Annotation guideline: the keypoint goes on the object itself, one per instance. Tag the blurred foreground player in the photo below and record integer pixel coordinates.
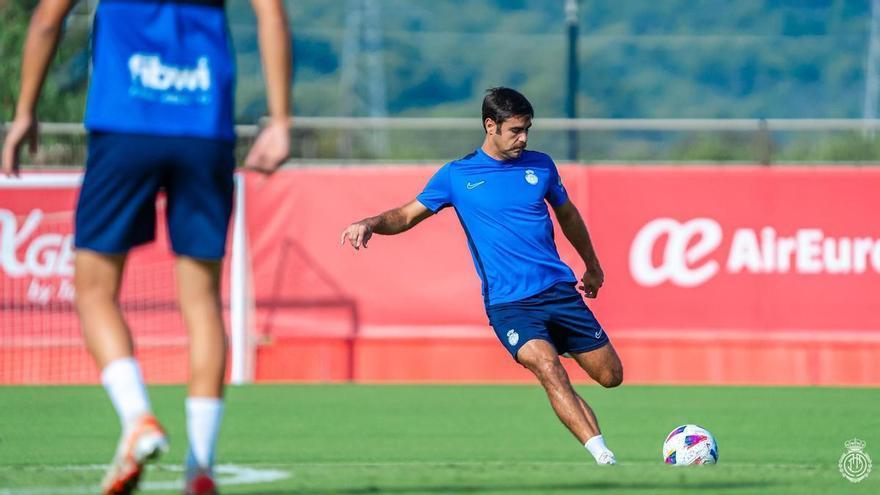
(160, 117)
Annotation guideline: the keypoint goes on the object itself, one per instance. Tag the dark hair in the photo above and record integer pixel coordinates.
(503, 103)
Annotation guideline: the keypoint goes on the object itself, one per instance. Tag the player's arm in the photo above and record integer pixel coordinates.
(273, 144)
(575, 231)
(39, 47)
(389, 223)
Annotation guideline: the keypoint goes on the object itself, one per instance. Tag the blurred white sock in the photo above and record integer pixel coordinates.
(203, 416)
(124, 384)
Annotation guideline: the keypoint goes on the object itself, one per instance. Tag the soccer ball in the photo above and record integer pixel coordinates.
(688, 445)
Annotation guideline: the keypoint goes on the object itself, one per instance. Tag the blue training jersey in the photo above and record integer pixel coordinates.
(501, 206)
(161, 68)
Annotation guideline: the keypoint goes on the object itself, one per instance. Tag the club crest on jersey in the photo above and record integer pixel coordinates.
(531, 178)
(512, 337)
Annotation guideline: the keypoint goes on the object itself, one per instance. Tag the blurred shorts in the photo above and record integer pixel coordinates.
(116, 209)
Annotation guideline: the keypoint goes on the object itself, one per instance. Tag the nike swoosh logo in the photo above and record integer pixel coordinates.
(475, 184)
(598, 334)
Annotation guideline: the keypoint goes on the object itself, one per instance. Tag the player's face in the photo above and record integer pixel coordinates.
(511, 136)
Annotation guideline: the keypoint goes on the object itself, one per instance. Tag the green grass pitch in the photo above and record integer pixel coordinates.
(433, 439)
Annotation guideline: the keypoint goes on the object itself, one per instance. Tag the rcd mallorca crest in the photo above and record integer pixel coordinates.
(855, 463)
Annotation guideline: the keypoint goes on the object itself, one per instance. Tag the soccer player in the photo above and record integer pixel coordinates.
(499, 193)
(160, 117)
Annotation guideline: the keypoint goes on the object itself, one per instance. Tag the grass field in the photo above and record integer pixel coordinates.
(352, 439)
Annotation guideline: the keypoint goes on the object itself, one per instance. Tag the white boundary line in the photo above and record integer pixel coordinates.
(226, 474)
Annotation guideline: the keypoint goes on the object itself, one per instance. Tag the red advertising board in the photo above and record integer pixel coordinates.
(713, 275)
(743, 248)
(759, 275)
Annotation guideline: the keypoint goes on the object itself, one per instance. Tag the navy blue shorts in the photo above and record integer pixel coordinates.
(558, 315)
(116, 210)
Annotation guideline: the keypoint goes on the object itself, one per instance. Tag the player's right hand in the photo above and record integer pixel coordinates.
(21, 129)
(592, 281)
(358, 234)
(270, 149)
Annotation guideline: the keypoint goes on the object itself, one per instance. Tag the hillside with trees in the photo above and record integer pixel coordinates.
(660, 59)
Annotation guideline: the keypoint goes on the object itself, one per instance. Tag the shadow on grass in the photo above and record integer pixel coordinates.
(708, 486)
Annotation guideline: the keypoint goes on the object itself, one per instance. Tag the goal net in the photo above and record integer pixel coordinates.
(40, 337)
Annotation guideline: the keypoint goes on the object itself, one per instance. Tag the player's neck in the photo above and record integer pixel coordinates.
(491, 151)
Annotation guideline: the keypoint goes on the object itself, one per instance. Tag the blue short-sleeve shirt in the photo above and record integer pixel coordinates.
(502, 206)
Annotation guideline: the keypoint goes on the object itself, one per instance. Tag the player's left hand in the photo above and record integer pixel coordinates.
(592, 280)
(22, 129)
(270, 149)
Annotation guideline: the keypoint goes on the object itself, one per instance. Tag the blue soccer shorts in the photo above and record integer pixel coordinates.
(116, 209)
(558, 315)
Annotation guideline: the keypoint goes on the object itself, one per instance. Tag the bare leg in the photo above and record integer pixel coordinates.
(603, 365)
(588, 413)
(540, 358)
(97, 279)
(199, 291)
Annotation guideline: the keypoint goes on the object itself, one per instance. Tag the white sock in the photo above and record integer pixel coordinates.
(125, 385)
(203, 415)
(596, 446)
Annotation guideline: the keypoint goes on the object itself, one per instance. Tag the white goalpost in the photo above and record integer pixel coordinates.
(240, 295)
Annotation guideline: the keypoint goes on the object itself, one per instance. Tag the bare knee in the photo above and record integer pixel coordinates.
(611, 377)
(96, 279)
(90, 293)
(547, 370)
(603, 365)
(541, 358)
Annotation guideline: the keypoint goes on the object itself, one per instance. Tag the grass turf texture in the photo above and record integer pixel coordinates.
(352, 439)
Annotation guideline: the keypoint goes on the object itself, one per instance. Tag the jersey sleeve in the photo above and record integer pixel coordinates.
(437, 193)
(556, 194)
